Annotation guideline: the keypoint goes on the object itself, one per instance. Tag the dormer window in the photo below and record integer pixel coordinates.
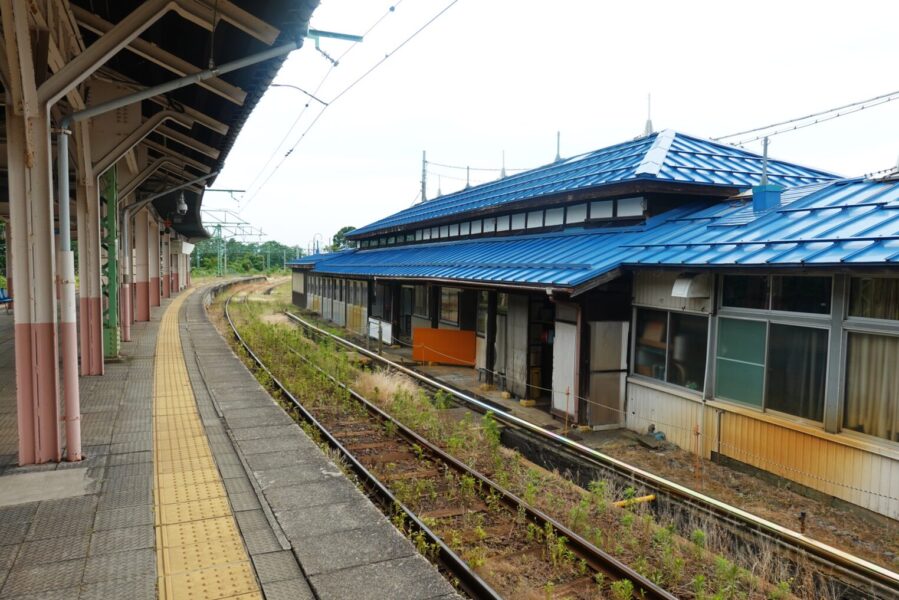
(602, 209)
(630, 207)
(518, 220)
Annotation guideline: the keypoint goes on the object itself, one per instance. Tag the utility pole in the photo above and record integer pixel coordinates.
(424, 176)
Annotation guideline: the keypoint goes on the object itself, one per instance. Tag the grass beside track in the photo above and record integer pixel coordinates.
(689, 568)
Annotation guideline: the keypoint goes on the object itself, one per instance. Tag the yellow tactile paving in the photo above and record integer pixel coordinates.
(199, 552)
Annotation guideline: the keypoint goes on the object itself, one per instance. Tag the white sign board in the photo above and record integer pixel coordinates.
(385, 328)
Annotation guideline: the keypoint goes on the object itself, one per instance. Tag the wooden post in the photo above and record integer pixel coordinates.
(490, 349)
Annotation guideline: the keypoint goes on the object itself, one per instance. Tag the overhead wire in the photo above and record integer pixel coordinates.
(800, 122)
(318, 87)
(490, 169)
(346, 90)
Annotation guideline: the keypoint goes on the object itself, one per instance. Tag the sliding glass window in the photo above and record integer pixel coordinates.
(671, 347)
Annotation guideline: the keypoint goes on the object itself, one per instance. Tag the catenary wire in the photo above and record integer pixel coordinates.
(827, 115)
(345, 91)
(318, 87)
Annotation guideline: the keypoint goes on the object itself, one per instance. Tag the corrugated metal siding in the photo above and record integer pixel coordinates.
(653, 288)
(297, 282)
(480, 359)
(683, 159)
(675, 416)
(864, 478)
(357, 319)
(516, 350)
(339, 313)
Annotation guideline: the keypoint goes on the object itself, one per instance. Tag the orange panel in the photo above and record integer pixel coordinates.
(445, 346)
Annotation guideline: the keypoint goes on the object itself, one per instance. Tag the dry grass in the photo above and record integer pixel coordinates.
(384, 386)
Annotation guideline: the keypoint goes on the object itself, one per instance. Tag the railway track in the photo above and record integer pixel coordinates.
(457, 516)
(854, 577)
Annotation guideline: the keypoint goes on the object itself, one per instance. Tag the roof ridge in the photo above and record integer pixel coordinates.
(655, 157)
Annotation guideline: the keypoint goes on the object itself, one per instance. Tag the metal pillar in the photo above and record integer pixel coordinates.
(141, 266)
(90, 308)
(111, 341)
(165, 263)
(153, 254)
(126, 254)
(68, 330)
(9, 272)
(31, 210)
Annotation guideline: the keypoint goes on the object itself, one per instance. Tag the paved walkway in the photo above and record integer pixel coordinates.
(124, 524)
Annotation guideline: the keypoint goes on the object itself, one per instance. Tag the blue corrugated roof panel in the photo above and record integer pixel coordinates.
(848, 222)
(313, 259)
(664, 156)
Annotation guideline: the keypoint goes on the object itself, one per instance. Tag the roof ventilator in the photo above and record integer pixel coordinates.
(765, 196)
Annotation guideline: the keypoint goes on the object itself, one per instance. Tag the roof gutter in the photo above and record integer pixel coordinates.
(545, 289)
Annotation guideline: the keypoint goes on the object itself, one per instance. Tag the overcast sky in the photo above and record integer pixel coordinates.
(504, 75)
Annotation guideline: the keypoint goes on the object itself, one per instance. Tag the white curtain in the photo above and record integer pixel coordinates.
(872, 385)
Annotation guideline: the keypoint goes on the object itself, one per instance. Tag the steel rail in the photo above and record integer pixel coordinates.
(598, 559)
(858, 569)
(595, 557)
(470, 581)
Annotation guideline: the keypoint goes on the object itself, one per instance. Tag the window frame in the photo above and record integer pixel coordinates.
(427, 294)
(458, 294)
(778, 318)
(861, 325)
(769, 312)
(699, 393)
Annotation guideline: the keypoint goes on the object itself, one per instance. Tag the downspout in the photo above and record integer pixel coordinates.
(67, 322)
(66, 256)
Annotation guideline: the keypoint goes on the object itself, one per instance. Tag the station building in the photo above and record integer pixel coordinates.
(747, 308)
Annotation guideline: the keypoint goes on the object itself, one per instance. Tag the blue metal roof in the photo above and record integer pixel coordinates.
(312, 259)
(666, 156)
(850, 222)
(847, 223)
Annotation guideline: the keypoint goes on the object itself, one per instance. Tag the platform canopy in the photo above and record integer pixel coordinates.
(196, 125)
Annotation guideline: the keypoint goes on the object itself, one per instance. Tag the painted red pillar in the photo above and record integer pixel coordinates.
(141, 267)
(176, 268)
(165, 264)
(31, 210)
(90, 303)
(153, 254)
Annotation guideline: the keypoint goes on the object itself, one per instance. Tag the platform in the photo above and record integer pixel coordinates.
(196, 484)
